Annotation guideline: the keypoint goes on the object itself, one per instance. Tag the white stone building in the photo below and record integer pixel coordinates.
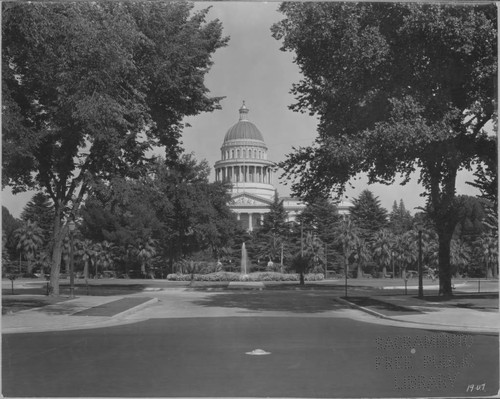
(244, 162)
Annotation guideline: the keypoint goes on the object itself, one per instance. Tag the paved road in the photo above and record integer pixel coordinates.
(195, 344)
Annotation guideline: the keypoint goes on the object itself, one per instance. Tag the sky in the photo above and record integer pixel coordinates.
(252, 68)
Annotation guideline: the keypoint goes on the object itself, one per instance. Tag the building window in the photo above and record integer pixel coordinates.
(232, 153)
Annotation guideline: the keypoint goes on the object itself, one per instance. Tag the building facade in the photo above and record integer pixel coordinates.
(244, 163)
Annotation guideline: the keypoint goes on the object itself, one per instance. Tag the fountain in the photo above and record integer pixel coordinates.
(244, 260)
(244, 282)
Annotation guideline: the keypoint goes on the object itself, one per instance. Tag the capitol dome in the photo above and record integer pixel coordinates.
(244, 130)
(244, 161)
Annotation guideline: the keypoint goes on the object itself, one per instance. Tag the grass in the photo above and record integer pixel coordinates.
(17, 303)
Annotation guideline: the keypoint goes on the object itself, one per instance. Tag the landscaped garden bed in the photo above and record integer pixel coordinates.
(231, 276)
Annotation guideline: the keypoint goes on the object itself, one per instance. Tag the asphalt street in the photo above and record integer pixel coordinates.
(303, 347)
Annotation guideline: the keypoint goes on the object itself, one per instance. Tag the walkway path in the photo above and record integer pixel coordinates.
(182, 302)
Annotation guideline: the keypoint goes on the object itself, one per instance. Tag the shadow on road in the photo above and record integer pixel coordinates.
(297, 301)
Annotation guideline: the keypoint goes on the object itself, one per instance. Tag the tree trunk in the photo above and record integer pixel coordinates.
(86, 270)
(360, 271)
(302, 278)
(56, 253)
(444, 271)
(384, 271)
(488, 270)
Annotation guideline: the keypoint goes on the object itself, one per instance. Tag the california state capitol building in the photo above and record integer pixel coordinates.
(245, 164)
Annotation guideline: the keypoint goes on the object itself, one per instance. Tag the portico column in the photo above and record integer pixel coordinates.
(250, 226)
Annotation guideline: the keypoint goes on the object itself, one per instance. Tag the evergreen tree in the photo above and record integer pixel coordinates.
(269, 240)
(9, 225)
(320, 216)
(368, 214)
(40, 210)
(472, 214)
(275, 220)
(400, 219)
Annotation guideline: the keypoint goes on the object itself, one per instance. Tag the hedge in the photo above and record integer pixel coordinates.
(259, 276)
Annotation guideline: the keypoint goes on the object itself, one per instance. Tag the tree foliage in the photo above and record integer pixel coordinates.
(400, 219)
(89, 88)
(40, 210)
(175, 207)
(396, 86)
(368, 214)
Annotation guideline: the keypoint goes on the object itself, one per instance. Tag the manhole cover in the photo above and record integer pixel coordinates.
(258, 352)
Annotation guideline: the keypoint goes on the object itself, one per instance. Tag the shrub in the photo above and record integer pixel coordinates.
(259, 276)
(179, 277)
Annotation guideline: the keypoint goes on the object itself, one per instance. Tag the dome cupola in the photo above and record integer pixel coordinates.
(244, 130)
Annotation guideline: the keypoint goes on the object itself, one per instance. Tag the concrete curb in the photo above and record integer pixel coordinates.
(135, 308)
(366, 310)
(448, 327)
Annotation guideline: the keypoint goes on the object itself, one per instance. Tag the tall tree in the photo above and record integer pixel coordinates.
(400, 220)
(486, 248)
(472, 214)
(9, 225)
(275, 221)
(347, 236)
(320, 216)
(90, 87)
(85, 250)
(382, 247)
(368, 214)
(40, 210)
(269, 239)
(146, 249)
(396, 86)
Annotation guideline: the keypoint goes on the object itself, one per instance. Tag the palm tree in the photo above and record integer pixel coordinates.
(459, 254)
(5, 254)
(145, 251)
(86, 252)
(347, 234)
(487, 249)
(405, 251)
(29, 239)
(105, 258)
(361, 254)
(43, 260)
(382, 247)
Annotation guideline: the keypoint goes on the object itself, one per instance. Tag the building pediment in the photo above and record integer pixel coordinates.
(246, 199)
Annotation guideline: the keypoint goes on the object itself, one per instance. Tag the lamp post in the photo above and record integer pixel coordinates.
(420, 278)
(71, 226)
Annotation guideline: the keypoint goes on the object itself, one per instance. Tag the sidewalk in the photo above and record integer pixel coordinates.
(78, 313)
(466, 312)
